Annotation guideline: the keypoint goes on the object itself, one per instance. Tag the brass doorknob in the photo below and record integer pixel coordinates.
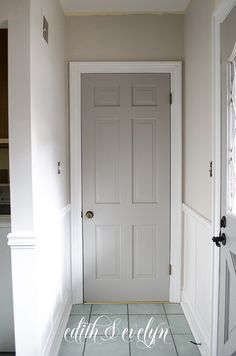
(89, 214)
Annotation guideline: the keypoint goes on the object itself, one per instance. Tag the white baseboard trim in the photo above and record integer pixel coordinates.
(53, 342)
(195, 326)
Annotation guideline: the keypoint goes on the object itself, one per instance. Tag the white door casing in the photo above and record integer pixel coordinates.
(76, 71)
(126, 185)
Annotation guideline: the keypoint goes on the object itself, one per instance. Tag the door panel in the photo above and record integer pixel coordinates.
(107, 154)
(227, 316)
(144, 161)
(126, 184)
(107, 252)
(145, 242)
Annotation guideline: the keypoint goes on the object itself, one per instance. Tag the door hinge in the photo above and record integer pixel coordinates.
(170, 269)
(171, 98)
(81, 215)
(211, 169)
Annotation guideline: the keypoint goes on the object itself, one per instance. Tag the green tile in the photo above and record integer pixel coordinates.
(116, 347)
(106, 321)
(71, 349)
(100, 309)
(81, 309)
(184, 347)
(136, 322)
(173, 308)
(74, 320)
(178, 324)
(159, 348)
(146, 309)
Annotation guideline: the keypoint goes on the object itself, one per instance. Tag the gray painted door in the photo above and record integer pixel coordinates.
(227, 322)
(126, 185)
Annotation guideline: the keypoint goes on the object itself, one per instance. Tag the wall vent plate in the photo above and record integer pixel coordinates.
(45, 29)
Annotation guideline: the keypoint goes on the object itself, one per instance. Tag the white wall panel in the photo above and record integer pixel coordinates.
(204, 262)
(190, 227)
(197, 276)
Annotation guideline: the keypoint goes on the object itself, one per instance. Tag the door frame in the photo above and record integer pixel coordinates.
(76, 70)
(219, 16)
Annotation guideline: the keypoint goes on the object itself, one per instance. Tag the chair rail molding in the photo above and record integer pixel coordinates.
(22, 240)
(76, 71)
(219, 16)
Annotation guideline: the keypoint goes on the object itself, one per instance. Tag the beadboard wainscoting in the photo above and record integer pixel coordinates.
(61, 295)
(41, 270)
(197, 276)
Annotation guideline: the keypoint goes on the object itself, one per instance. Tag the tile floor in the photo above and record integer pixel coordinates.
(135, 316)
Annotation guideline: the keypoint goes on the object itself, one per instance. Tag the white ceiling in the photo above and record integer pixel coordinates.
(123, 6)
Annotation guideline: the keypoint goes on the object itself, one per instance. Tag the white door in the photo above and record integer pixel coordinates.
(126, 186)
(227, 321)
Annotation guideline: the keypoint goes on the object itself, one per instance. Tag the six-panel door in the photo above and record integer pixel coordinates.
(126, 184)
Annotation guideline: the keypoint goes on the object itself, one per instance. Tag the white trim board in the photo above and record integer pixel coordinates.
(175, 70)
(219, 16)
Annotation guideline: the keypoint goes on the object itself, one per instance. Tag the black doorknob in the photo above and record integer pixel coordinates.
(218, 240)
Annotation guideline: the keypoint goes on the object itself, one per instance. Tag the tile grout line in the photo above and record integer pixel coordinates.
(177, 354)
(85, 341)
(128, 329)
(147, 314)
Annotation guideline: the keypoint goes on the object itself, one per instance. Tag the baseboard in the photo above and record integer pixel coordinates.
(53, 343)
(195, 326)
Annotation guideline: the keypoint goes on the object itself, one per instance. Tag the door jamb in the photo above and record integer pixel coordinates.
(175, 70)
(219, 16)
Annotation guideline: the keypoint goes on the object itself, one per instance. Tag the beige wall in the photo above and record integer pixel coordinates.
(217, 2)
(49, 128)
(48, 108)
(163, 37)
(128, 37)
(197, 186)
